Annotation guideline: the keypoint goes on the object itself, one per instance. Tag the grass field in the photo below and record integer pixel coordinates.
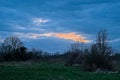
(47, 71)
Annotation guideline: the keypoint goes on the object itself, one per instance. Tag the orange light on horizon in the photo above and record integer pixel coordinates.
(72, 36)
(68, 36)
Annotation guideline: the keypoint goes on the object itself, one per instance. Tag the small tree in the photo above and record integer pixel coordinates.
(74, 53)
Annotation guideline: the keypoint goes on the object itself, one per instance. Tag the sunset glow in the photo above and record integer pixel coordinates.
(67, 36)
(72, 36)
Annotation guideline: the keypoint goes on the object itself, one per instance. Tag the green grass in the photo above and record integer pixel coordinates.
(47, 71)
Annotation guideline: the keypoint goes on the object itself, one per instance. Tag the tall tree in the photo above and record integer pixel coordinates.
(13, 41)
(101, 51)
(9, 46)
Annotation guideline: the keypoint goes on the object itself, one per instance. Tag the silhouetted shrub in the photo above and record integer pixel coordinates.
(94, 57)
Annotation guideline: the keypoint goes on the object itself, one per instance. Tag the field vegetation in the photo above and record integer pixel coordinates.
(49, 71)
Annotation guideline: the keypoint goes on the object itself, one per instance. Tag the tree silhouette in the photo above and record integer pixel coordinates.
(10, 46)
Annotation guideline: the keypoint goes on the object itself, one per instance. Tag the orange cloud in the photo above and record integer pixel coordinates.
(72, 36)
(68, 36)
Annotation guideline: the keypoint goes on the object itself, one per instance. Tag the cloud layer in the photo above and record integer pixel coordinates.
(67, 20)
(67, 36)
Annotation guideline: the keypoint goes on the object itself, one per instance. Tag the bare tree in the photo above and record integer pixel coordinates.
(77, 46)
(102, 43)
(100, 53)
(10, 45)
(74, 53)
(12, 41)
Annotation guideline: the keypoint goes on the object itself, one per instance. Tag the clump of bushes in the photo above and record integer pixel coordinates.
(98, 56)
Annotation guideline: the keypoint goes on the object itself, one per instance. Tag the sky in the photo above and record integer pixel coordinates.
(52, 25)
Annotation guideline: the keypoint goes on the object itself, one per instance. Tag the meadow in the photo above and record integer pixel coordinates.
(49, 71)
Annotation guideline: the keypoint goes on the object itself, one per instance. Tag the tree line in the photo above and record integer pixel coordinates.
(13, 49)
(99, 55)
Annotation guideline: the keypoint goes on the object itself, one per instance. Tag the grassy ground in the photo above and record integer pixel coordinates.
(47, 71)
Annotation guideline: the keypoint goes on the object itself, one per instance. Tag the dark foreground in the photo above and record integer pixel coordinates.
(47, 71)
